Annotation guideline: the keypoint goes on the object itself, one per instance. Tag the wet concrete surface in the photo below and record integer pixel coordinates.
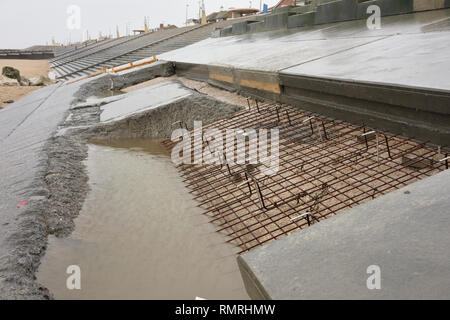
(417, 60)
(124, 79)
(143, 100)
(140, 235)
(25, 128)
(409, 49)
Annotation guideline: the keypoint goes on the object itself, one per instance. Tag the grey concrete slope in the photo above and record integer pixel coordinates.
(398, 51)
(89, 50)
(135, 49)
(405, 233)
(61, 54)
(174, 43)
(63, 50)
(25, 128)
(117, 53)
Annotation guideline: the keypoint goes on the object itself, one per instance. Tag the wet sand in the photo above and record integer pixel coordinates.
(140, 234)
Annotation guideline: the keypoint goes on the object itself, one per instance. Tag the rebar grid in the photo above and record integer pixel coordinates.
(325, 167)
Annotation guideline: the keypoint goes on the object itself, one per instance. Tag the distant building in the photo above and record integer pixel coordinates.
(161, 27)
(191, 22)
(169, 26)
(284, 3)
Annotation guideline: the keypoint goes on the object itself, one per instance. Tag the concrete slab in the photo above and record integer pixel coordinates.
(405, 233)
(95, 102)
(143, 100)
(262, 51)
(117, 81)
(334, 11)
(418, 60)
(410, 47)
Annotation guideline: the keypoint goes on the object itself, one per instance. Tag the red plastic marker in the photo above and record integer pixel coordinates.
(22, 204)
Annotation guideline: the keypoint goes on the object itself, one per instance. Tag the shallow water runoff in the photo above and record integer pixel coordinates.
(140, 234)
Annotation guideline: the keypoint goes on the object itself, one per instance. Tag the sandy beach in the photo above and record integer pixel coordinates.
(27, 68)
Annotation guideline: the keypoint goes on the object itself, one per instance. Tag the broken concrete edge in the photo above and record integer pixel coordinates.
(62, 183)
(417, 113)
(329, 259)
(253, 83)
(162, 93)
(124, 79)
(329, 11)
(157, 122)
(252, 285)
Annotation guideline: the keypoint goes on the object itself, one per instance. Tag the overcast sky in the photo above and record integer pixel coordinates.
(24, 23)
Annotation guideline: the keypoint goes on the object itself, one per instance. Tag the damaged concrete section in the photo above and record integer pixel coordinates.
(146, 113)
(358, 127)
(138, 101)
(105, 83)
(324, 167)
(44, 142)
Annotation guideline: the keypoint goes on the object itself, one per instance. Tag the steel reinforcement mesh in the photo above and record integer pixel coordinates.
(325, 167)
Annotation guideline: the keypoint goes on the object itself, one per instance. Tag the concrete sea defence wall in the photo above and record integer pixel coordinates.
(328, 12)
(407, 111)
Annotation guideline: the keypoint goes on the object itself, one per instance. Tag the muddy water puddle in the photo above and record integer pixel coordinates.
(109, 93)
(140, 234)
